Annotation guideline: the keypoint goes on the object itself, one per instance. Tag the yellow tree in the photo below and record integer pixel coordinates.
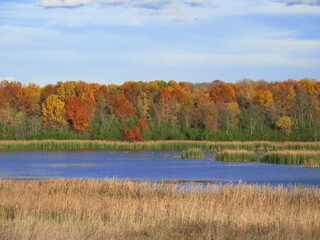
(284, 124)
(53, 111)
(67, 91)
(264, 98)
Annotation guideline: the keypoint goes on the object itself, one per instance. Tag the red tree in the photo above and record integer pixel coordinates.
(131, 135)
(77, 115)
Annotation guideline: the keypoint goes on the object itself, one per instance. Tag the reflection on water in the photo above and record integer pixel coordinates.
(148, 165)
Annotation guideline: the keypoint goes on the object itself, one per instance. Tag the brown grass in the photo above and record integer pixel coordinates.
(114, 209)
(238, 151)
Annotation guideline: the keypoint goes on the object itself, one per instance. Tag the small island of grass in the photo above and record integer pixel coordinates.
(192, 153)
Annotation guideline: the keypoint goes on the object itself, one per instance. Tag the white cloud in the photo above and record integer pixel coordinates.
(120, 3)
(151, 7)
(147, 7)
(63, 3)
(304, 2)
(202, 3)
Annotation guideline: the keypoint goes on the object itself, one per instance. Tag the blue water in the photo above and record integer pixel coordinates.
(148, 165)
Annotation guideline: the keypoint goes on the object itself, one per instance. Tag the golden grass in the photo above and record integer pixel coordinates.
(114, 209)
(238, 151)
(311, 164)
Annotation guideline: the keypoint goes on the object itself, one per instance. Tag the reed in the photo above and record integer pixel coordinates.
(236, 156)
(292, 157)
(114, 209)
(157, 145)
(311, 164)
(192, 153)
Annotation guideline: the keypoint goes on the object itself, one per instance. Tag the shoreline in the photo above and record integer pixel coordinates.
(153, 145)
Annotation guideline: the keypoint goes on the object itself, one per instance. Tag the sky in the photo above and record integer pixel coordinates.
(113, 41)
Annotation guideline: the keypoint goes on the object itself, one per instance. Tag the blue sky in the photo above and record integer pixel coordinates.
(113, 41)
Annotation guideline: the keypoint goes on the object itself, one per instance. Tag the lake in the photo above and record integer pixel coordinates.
(148, 165)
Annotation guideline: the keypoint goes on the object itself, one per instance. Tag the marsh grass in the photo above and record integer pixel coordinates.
(311, 164)
(236, 156)
(157, 145)
(292, 157)
(308, 159)
(114, 209)
(192, 153)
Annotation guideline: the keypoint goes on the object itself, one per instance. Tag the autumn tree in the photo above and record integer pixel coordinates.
(88, 94)
(131, 135)
(222, 93)
(122, 107)
(284, 124)
(167, 107)
(77, 114)
(142, 124)
(31, 100)
(67, 91)
(53, 111)
(13, 93)
(207, 113)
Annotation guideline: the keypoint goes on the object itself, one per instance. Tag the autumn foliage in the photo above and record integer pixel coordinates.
(131, 135)
(136, 111)
(77, 114)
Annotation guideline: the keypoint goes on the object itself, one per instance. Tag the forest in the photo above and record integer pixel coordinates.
(158, 110)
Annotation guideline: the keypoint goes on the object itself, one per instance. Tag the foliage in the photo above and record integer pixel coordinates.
(131, 135)
(78, 115)
(285, 124)
(53, 110)
(247, 110)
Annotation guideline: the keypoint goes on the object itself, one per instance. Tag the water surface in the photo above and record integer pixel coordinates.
(148, 165)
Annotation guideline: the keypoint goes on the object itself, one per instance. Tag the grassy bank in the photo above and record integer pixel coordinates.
(307, 158)
(157, 145)
(113, 209)
(236, 156)
(292, 157)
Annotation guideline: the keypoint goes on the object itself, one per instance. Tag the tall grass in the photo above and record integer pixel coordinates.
(192, 153)
(292, 157)
(157, 145)
(113, 209)
(310, 159)
(236, 156)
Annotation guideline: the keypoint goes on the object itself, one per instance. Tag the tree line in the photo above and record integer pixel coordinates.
(160, 110)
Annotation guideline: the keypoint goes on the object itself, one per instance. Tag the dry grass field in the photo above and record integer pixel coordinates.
(114, 209)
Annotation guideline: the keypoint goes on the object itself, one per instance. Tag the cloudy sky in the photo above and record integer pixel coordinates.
(113, 41)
